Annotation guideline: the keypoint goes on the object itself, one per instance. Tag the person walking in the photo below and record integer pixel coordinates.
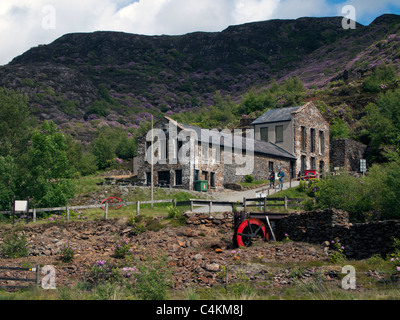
(272, 179)
(281, 174)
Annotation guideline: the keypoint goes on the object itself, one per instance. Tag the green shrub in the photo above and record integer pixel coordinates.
(173, 212)
(67, 253)
(121, 249)
(14, 246)
(248, 178)
(336, 255)
(153, 279)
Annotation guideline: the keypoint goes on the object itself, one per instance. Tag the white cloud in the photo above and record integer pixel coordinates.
(21, 20)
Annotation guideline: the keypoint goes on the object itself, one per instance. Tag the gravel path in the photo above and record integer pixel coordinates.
(230, 195)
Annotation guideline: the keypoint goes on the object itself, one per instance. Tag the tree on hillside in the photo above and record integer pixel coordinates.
(382, 127)
(14, 123)
(47, 170)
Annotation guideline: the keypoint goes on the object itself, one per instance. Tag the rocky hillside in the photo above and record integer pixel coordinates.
(123, 77)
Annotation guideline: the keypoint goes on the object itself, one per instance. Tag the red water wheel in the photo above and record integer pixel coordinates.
(113, 201)
(248, 230)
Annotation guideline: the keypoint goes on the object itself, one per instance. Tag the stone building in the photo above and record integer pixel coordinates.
(183, 154)
(302, 131)
(346, 154)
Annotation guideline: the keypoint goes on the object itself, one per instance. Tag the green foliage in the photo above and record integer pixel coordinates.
(382, 185)
(153, 279)
(336, 254)
(102, 271)
(339, 129)
(382, 76)
(343, 192)
(225, 113)
(375, 197)
(248, 178)
(121, 249)
(111, 143)
(67, 253)
(8, 181)
(290, 92)
(381, 127)
(99, 108)
(14, 123)
(79, 161)
(173, 212)
(47, 168)
(14, 245)
(394, 257)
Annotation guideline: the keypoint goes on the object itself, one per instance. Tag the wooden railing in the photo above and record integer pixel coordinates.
(106, 206)
(34, 280)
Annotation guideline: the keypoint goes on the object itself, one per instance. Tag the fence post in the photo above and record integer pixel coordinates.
(210, 208)
(37, 275)
(34, 215)
(285, 201)
(67, 213)
(191, 205)
(137, 208)
(106, 211)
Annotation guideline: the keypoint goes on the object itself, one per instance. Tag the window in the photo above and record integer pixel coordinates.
(321, 166)
(303, 164)
(163, 177)
(205, 173)
(178, 177)
(148, 178)
(270, 166)
(212, 179)
(218, 151)
(196, 175)
(312, 137)
(321, 142)
(303, 138)
(204, 151)
(264, 134)
(279, 134)
(312, 163)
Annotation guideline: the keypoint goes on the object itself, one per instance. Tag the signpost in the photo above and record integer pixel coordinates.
(363, 166)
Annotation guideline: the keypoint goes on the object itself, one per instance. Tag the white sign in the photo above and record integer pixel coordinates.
(21, 206)
(363, 165)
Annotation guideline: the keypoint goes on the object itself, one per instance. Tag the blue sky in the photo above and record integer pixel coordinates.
(28, 23)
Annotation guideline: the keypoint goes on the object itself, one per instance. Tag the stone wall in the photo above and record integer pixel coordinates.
(360, 240)
(260, 168)
(346, 154)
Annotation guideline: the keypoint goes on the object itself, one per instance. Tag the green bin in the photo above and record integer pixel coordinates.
(201, 185)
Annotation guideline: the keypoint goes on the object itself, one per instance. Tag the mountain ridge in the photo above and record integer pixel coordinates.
(122, 77)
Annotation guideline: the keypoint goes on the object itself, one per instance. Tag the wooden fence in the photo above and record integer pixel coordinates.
(33, 280)
(106, 206)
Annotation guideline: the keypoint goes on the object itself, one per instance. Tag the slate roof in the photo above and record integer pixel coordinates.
(276, 115)
(260, 147)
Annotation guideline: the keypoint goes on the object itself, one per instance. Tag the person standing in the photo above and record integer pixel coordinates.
(272, 179)
(281, 174)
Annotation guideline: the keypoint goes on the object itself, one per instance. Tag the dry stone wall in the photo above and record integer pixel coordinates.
(361, 240)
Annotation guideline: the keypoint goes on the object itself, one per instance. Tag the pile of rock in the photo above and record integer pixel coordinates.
(224, 220)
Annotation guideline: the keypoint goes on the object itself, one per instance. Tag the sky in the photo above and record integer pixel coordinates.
(28, 23)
